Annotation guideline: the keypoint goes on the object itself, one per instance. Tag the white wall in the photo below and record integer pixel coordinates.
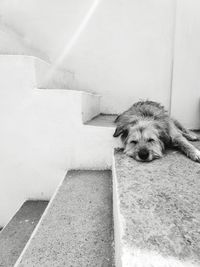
(45, 24)
(186, 74)
(13, 43)
(123, 52)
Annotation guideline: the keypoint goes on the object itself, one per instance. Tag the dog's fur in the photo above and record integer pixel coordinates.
(146, 130)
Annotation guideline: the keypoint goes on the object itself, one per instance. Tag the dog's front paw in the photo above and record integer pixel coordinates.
(196, 156)
(191, 136)
(194, 137)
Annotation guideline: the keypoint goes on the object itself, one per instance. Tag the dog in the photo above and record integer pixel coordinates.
(146, 130)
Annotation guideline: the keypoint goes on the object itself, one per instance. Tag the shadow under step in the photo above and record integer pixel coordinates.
(77, 228)
(17, 232)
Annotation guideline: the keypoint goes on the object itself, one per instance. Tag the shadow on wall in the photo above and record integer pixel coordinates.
(44, 25)
(13, 42)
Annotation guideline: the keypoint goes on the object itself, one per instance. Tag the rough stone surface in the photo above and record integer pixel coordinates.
(160, 205)
(103, 120)
(15, 235)
(77, 229)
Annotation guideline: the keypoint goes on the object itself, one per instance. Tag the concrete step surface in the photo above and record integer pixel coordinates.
(77, 227)
(156, 211)
(17, 232)
(103, 120)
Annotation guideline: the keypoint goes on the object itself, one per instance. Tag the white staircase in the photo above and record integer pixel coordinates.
(48, 130)
(42, 132)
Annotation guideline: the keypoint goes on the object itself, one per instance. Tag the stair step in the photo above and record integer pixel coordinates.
(16, 233)
(98, 144)
(77, 228)
(103, 121)
(156, 211)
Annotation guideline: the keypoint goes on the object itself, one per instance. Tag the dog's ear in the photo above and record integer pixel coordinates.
(163, 133)
(121, 130)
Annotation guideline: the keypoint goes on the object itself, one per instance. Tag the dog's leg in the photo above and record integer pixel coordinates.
(188, 149)
(185, 132)
(190, 136)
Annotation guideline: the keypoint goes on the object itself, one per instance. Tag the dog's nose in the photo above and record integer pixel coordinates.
(143, 154)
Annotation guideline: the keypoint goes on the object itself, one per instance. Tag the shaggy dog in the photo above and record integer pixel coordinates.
(146, 130)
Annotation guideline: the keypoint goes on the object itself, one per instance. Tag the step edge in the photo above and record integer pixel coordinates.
(78, 92)
(116, 214)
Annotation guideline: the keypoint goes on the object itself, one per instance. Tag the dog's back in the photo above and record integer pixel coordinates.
(143, 109)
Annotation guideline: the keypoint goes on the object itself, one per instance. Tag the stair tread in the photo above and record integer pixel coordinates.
(102, 120)
(16, 233)
(77, 227)
(158, 209)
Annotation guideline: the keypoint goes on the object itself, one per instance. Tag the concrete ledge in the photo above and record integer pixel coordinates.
(156, 211)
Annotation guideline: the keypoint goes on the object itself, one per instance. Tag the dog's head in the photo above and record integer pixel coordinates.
(143, 140)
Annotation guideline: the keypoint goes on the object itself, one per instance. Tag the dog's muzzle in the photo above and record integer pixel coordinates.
(143, 154)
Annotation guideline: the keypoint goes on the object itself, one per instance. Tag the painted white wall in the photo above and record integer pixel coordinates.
(186, 74)
(123, 52)
(45, 24)
(14, 43)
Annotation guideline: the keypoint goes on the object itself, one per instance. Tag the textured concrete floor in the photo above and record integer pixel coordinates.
(15, 235)
(160, 204)
(77, 230)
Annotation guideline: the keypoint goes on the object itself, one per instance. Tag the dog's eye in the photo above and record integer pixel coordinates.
(134, 142)
(150, 140)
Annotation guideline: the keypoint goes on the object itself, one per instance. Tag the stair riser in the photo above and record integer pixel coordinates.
(94, 148)
(90, 106)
